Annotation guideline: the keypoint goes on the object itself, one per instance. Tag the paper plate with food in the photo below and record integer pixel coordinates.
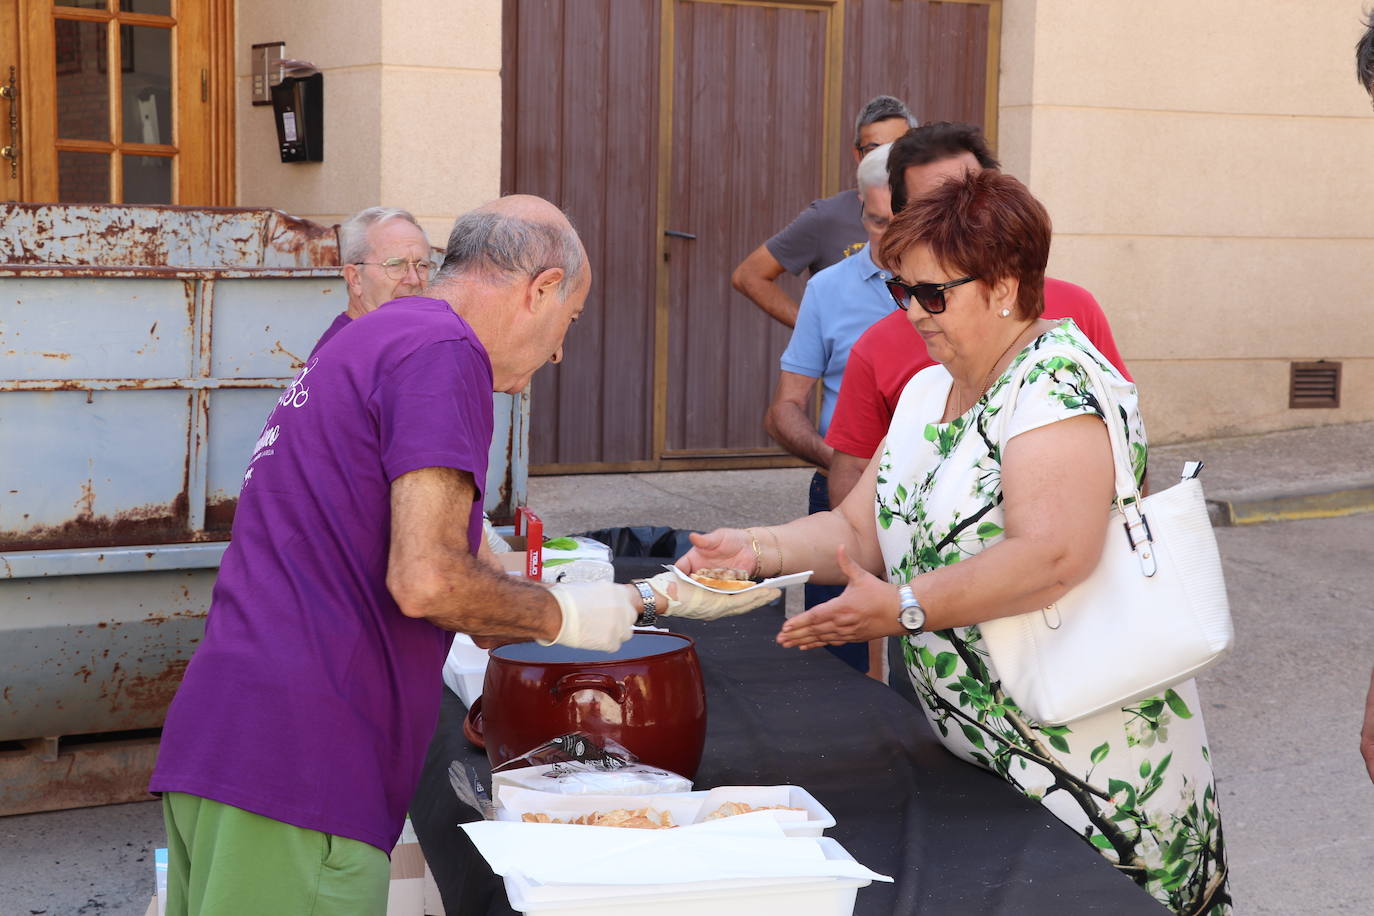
(730, 581)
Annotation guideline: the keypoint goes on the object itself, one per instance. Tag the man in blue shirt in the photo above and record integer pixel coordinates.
(840, 303)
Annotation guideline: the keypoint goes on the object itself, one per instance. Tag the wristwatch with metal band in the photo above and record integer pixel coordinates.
(912, 616)
(650, 613)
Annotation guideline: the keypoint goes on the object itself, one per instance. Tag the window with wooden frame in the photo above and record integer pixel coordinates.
(118, 101)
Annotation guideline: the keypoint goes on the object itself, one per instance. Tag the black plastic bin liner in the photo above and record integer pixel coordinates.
(643, 541)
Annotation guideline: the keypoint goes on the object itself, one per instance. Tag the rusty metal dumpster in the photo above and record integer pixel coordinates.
(141, 348)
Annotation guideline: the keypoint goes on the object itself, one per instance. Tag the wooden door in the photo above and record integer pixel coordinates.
(579, 114)
(719, 119)
(118, 101)
(753, 86)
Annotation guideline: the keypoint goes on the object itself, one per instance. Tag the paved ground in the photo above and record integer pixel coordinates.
(1283, 709)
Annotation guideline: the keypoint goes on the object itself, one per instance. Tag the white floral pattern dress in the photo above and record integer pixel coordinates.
(1134, 782)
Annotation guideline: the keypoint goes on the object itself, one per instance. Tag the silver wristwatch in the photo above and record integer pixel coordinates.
(912, 616)
(650, 613)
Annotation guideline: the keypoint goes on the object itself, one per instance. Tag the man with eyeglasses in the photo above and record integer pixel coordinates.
(385, 255)
(839, 304)
(890, 352)
(826, 231)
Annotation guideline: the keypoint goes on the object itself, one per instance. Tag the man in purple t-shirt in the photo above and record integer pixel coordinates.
(296, 739)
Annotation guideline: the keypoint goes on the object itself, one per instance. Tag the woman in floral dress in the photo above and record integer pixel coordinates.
(968, 534)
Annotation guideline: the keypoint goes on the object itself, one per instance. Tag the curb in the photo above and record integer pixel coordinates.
(1328, 504)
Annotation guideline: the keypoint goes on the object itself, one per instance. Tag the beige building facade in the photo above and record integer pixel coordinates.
(412, 110)
(1207, 166)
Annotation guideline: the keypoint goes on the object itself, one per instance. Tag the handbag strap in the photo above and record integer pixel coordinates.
(1128, 499)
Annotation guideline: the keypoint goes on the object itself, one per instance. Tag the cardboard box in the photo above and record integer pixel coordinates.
(527, 546)
(413, 891)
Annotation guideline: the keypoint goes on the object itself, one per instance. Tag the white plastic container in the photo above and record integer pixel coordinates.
(761, 897)
(818, 819)
(465, 669)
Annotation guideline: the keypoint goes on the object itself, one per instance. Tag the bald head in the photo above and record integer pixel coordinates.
(513, 238)
(526, 206)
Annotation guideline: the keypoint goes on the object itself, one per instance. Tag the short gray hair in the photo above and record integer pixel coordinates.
(504, 246)
(353, 246)
(872, 170)
(880, 108)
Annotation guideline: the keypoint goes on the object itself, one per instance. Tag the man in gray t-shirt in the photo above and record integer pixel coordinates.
(826, 231)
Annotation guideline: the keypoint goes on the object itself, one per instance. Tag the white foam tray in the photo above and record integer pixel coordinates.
(796, 578)
(737, 897)
(817, 822)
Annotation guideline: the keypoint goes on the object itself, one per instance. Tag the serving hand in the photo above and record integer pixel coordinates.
(692, 601)
(866, 609)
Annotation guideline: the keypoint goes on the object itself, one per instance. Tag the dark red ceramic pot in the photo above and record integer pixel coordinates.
(647, 696)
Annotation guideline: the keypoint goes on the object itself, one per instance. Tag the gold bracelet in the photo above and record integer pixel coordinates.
(758, 554)
(777, 546)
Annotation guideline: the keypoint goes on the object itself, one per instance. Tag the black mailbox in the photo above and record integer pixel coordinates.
(298, 103)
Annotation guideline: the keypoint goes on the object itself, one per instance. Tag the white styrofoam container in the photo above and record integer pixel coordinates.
(736, 897)
(818, 819)
(465, 669)
(817, 822)
(466, 682)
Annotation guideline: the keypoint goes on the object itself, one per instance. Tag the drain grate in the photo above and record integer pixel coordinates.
(1314, 384)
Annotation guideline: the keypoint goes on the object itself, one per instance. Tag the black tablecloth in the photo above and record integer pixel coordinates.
(957, 840)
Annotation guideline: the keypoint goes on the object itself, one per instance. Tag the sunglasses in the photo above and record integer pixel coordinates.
(929, 296)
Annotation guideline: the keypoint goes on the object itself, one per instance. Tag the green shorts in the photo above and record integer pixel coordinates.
(224, 861)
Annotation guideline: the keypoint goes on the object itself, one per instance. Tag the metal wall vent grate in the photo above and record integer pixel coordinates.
(1314, 384)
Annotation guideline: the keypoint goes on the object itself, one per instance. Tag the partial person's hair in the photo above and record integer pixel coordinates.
(353, 245)
(872, 170)
(986, 225)
(929, 143)
(1364, 56)
(503, 247)
(880, 108)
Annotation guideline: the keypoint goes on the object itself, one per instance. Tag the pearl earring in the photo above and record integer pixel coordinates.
(1006, 313)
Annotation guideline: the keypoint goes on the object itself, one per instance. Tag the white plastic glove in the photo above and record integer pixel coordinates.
(697, 603)
(596, 615)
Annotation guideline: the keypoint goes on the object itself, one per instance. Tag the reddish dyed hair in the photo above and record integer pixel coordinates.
(986, 225)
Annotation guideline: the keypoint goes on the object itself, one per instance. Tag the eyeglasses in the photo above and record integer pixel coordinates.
(397, 268)
(929, 296)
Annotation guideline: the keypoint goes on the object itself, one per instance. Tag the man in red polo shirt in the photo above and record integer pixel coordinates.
(890, 352)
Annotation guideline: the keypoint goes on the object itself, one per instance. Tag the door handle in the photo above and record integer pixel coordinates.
(675, 234)
(10, 92)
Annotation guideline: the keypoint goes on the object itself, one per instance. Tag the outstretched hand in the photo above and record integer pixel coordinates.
(724, 548)
(866, 609)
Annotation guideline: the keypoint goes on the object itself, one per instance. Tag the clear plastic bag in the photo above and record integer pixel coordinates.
(572, 764)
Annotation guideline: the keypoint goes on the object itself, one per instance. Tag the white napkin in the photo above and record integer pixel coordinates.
(747, 846)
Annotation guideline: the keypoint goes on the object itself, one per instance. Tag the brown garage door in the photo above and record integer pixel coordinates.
(678, 135)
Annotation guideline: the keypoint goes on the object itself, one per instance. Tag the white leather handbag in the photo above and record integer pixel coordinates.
(1153, 613)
